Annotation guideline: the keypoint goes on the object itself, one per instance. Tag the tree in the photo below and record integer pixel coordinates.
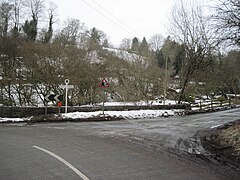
(160, 58)
(228, 75)
(227, 21)
(143, 48)
(189, 27)
(49, 33)
(125, 44)
(156, 42)
(97, 39)
(94, 38)
(174, 53)
(71, 32)
(31, 27)
(135, 45)
(16, 19)
(5, 16)
(10, 63)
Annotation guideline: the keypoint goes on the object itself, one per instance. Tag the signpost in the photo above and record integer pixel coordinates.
(53, 97)
(66, 87)
(104, 84)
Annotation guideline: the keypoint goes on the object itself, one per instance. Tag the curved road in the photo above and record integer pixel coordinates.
(104, 150)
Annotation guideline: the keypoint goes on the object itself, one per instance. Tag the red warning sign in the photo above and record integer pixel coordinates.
(103, 83)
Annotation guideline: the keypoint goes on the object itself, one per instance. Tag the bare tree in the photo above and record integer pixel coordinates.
(229, 73)
(49, 33)
(125, 44)
(190, 29)
(71, 32)
(227, 21)
(31, 27)
(16, 18)
(5, 16)
(156, 42)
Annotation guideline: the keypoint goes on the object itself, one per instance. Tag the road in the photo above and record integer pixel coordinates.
(105, 150)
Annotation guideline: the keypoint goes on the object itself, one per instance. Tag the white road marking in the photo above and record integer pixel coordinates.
(64, 161)
(56, 127)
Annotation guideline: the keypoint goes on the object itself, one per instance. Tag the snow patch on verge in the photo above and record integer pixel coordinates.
(135, 114)
(216, 126)
(3, 120)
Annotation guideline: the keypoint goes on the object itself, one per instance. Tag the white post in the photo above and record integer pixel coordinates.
(66, 86)
(66, 97)
(103, 100)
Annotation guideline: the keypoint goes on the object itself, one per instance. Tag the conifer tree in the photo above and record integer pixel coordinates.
(143, 49)
(135, 45)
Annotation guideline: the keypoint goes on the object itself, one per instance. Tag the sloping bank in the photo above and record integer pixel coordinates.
(220, 146)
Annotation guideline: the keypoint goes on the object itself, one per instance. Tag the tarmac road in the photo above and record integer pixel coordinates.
(104, 150)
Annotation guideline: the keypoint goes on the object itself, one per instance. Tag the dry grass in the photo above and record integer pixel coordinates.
(231, 137)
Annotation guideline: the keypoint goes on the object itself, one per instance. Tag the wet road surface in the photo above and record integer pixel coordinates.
(165, 131)
(105, 150)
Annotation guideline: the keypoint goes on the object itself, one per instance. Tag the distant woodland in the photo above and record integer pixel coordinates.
(200, 57)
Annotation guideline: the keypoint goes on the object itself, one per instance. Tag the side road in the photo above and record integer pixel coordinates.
(46, 151)
(175, 133)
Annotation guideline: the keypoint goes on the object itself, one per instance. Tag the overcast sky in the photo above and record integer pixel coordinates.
(119, 19)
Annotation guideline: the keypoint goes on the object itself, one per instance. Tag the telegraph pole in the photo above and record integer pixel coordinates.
(165, 82)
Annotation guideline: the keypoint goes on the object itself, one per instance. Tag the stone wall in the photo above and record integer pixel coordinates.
(19, 112)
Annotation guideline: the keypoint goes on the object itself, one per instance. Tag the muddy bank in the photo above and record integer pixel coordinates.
(222, 144)
(217, 148)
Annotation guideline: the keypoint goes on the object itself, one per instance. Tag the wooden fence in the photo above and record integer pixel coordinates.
(211, 104)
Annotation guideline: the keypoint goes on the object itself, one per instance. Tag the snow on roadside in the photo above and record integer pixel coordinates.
(136, 114)
(141, 103)
(216, 126)
(2, 120)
